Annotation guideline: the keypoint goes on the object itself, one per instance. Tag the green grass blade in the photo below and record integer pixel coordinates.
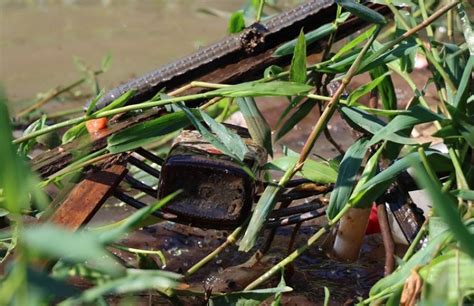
(446, 208)
(312, 170)
(353, 43)
(396, 280)
(464, 194)
(302, 111)
(236, 22)
(365, 89)
(256, 89)
(257, 125)
(93, 103)
(311, 37)
(55, 242)
(346, 177)
(229, 139)
(146, 132)
(385, 89)
(265, 205)
(418, 114)
(134, 281)
(134, 220)
(298, 62)
(362, 11)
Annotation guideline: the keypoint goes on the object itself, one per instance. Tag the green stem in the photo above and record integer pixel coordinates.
(261, 4)
(414, 243)
(290, 258)
(140, 251)
(101, 114)
(333, 103)
(460, 177)
(231, 239)
(428, 168)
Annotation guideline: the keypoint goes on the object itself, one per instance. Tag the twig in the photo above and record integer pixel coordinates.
(53, 94)
(293, 236)
(387, 238)
(231, 239)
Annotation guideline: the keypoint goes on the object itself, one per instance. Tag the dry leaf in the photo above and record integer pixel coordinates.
(411, 289)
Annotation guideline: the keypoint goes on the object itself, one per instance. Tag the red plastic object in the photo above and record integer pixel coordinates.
(373, 226)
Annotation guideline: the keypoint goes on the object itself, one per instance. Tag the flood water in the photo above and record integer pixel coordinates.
(40, 38)
(38, 42)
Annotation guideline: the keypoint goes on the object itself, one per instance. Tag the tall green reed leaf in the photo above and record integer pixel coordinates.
(133, 221)
(229, 139)
(396, 280)
(362, 11)
(236, 22)
(365, 89)
(369, 172)
(460, 100)
(312, 170)
(256, 89)
(54, 242)
(353, 43)
(321, 32)
(17, 182)
(462, 124)
(298, 62)
(466, 27)
(134, 281)
(92, 104)
(418, 114)
(257, 124)
(378, 184)
(146, 132)
(385, 89)
(259, 216)
(446, 208)
(223, 144)
(448, 279)
(464, 194)
(346, 177)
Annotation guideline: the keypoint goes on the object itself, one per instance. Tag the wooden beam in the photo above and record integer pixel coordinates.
(87, 197)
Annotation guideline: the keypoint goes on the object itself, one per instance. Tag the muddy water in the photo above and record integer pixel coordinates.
(40, 38)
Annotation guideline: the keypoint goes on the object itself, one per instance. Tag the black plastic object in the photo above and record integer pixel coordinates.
(216, 191)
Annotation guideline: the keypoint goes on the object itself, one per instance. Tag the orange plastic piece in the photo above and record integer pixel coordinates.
(95, 125)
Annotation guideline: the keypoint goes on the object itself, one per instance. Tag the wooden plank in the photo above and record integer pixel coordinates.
(80, 205)
(87, 197)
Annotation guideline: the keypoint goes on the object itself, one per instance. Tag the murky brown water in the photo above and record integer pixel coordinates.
(40, 38)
